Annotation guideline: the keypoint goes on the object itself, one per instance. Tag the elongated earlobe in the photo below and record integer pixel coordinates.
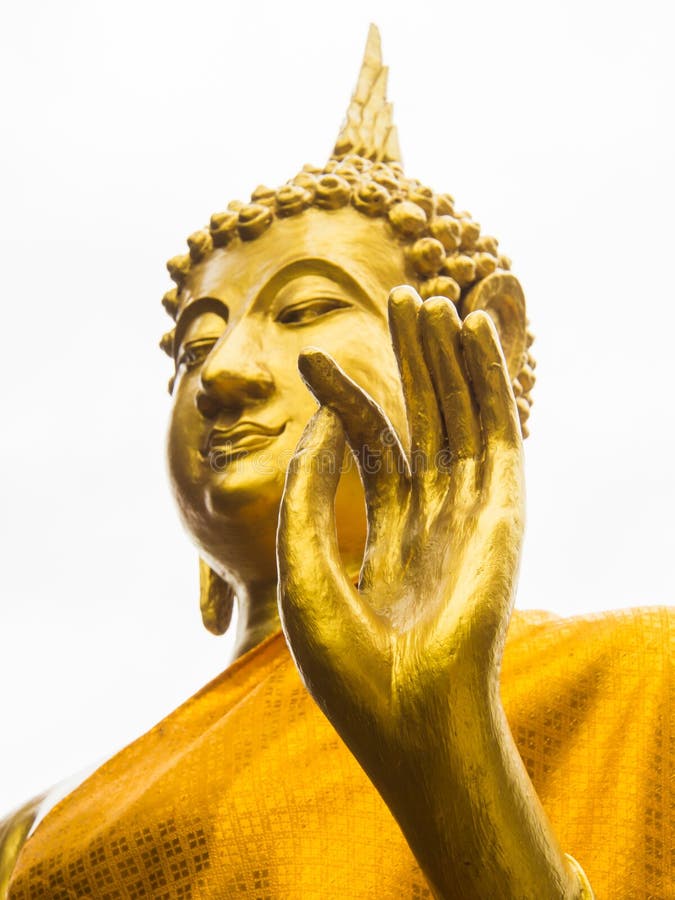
(216, 600)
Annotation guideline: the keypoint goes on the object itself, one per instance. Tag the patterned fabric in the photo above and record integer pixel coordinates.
(246, 791)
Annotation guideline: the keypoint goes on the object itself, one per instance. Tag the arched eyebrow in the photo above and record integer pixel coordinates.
(315, 266)
(196, 308)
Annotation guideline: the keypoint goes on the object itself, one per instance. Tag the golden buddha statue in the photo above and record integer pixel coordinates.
(379, 734)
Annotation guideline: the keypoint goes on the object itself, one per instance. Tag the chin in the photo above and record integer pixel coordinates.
(246, 488)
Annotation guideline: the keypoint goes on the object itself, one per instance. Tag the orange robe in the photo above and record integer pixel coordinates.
(246, 790)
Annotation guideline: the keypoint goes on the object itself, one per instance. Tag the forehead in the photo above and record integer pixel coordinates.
(364, 249)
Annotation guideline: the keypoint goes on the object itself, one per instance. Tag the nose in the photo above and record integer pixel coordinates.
(233, 375)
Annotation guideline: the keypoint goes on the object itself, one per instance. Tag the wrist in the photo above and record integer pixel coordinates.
(469, 812)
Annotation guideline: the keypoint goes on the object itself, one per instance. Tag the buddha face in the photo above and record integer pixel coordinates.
(320, 279)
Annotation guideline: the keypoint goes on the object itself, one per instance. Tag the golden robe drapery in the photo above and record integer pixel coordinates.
(247, 791)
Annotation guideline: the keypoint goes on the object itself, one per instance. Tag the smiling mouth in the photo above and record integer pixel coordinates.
(224, 445)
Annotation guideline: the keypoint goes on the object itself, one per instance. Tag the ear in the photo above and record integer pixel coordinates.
(501, 296)
(216, 599)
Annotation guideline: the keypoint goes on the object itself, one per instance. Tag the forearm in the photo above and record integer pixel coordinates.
(470, 813)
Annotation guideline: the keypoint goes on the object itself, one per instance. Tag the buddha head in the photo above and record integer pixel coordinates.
(310, 264)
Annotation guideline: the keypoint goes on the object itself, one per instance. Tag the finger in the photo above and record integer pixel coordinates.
(441, 330)
(382, 463)
(316, 599)
(381, 459)
(423, 415)
(490, 378)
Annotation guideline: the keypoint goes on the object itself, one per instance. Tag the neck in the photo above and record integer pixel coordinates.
(258, 616)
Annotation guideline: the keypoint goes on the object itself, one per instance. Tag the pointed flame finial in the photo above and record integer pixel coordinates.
(368, 130)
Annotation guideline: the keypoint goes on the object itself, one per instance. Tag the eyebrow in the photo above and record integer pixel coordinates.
(196, 308)
(313, 266)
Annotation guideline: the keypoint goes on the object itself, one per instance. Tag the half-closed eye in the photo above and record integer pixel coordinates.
(310, 310)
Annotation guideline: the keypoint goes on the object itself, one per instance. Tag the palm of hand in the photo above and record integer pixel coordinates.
(388, 660)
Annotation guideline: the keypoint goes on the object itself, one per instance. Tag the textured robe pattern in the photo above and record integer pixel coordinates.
(246, 790)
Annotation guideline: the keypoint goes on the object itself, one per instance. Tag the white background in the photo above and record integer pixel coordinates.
(126, 124)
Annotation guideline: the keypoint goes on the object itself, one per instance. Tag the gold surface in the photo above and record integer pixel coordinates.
(14, 830)
(246, 791)
(395, 609)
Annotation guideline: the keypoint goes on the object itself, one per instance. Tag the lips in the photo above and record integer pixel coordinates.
(240, 439)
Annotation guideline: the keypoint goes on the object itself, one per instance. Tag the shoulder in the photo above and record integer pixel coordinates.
(651, 625)
(615, 654)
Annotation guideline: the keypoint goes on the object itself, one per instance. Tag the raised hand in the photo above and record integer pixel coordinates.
(406, 664)
(445, 522)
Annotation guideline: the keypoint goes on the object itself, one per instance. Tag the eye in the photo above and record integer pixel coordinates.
(195, 352)
(307, 312)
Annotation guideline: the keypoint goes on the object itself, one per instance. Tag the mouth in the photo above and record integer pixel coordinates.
(224, 445)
